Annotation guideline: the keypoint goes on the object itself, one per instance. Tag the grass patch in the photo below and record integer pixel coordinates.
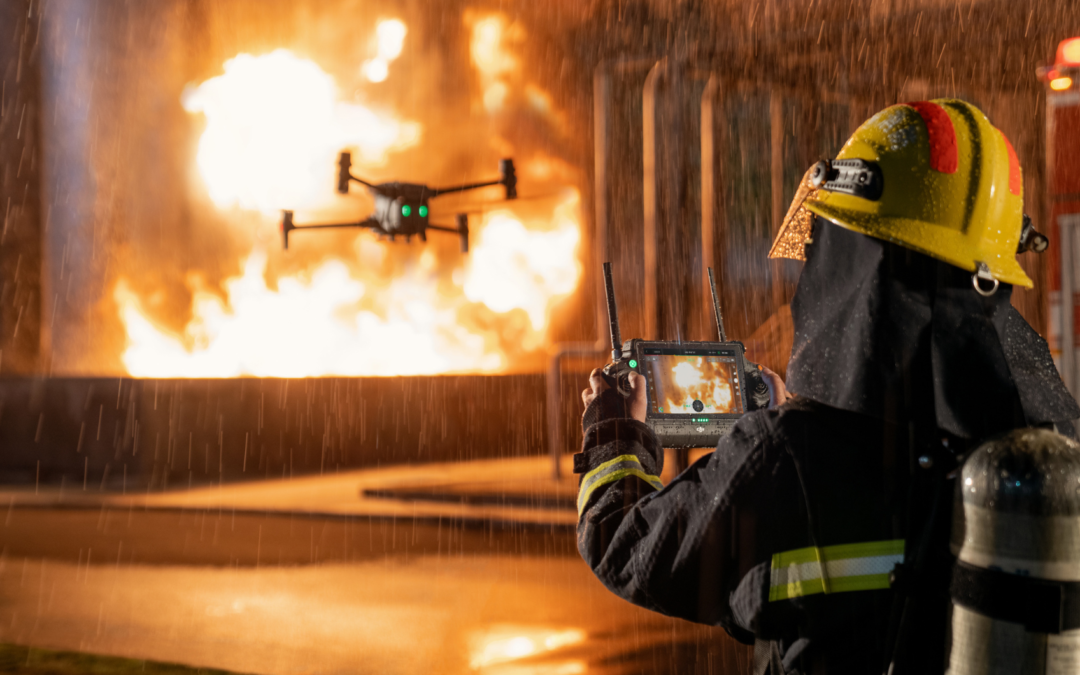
(34, 661)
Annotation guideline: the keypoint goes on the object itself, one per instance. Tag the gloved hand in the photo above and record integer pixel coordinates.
(604, 403)
(778, 393)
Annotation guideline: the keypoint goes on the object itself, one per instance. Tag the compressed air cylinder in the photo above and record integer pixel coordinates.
(1016, 534)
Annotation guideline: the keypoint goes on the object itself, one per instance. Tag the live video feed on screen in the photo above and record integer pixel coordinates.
(693, 382)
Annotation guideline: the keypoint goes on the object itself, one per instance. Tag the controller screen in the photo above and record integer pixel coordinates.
(692, 381)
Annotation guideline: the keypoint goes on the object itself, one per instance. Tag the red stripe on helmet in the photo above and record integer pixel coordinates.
(943, 152)
(1015, 179)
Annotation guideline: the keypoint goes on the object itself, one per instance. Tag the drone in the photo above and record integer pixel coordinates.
(401, 209)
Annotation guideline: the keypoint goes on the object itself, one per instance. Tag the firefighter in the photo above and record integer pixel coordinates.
(818, 530)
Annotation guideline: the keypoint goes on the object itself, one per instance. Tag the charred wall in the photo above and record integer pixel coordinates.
(20, 187)
(116, 434)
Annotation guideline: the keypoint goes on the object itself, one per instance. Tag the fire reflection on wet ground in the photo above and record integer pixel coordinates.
(288, 593)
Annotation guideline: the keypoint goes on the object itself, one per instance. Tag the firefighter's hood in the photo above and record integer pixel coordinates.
(888, 332)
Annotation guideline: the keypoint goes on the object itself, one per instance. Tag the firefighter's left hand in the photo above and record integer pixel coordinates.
(636, 404)
(778, 393)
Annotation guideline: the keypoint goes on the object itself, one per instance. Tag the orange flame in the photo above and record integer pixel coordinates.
(327, 322)
(274, 128)
(489, 48)
(390, 38)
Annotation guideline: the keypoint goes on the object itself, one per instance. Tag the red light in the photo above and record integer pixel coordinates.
(1068, 52)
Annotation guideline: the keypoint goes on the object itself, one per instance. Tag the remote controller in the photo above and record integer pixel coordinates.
(696, 391)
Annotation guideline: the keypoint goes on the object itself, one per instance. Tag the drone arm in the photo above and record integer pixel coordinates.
(508, 180)
(361, 181)
(370, 222)
(287, 226)
(435, 192)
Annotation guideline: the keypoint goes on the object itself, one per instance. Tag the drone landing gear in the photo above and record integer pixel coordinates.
(462, 230)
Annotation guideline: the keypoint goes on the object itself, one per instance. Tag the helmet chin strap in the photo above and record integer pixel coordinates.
(983, 272)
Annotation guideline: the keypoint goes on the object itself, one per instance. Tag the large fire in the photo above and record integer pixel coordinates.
(328, 322)
(274, 124)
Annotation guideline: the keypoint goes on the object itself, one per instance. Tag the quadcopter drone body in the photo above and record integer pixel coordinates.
(401, 209)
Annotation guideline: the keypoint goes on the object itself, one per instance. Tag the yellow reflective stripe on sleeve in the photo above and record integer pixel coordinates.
(611, 462)
(847, 567)
(611, 471)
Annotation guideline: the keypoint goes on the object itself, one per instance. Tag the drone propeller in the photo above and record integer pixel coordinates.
(286, 227)
(343, 176)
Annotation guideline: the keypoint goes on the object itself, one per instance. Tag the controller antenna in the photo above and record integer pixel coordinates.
(716, 307)
(613, 314)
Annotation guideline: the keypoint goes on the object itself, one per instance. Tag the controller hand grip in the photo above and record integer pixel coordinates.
(617, 377)
(757, 392)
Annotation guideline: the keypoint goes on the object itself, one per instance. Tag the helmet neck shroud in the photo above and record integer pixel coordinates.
(891, 333)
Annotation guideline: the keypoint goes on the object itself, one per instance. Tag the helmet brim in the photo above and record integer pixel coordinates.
(910, 233)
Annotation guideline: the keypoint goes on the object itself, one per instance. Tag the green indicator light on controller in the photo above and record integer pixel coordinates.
(423, 212)
(633, 363)
(406, 210)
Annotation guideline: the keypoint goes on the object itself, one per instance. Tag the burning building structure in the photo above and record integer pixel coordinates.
(148, 150)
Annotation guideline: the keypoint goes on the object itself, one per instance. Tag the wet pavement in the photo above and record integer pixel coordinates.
(295, 577)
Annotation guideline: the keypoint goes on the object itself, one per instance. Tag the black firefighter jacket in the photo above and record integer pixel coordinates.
(739, 538)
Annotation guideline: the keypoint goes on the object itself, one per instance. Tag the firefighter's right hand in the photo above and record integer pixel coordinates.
(635, 404)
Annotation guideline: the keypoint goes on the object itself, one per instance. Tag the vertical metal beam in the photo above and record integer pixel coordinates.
(708, 187)
(20, 188)
(651, 196)
(1067, 224)
(72, 53)
(601, 115)
(1059, 143)
(776, 143)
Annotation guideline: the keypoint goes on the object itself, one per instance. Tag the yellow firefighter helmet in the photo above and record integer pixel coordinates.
(932, 176)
